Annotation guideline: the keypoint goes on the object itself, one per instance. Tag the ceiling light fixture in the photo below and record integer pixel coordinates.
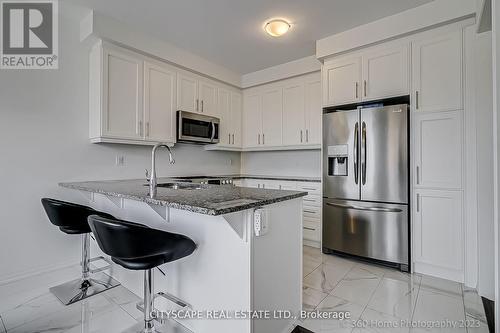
(277, 27)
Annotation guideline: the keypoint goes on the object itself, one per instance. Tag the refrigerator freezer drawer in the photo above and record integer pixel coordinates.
(373, 230)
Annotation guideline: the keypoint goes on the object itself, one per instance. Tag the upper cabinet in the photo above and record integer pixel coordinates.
(341, 78)
(283, 115)
(385, 72)
(229, 112)
(196, 94)
(437, 72)
(159, 101)
(375, 73)
(118, 101)
(302, 110)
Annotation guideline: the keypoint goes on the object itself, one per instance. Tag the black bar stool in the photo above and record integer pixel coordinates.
(138, 247)
(72, 219)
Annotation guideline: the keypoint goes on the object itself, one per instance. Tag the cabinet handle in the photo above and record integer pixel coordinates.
(416, 99)
(300, 136)
(201, 105)
(309, 211)
(233, 139)
(365, 86)
(197, 104)
(309, 228)
(140, 128)
(418, 202)
(147, 129)
(418, 175)
(356, 90)
(263, 139)
(307, 135)
(258, 135)
(229, 135)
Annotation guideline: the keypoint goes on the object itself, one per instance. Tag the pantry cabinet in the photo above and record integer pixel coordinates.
(438, 150)
(438, 233)
(437, 72)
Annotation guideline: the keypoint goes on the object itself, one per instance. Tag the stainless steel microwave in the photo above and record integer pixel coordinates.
(197, 128)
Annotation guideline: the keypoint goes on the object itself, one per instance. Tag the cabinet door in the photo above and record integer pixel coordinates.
(208, 98)
(293, 113)
(252, 120)
(438, 150)
(438, 243)
(313, 109)
(437, 73)
(236, 114)
(341, 81)
(224, 113)
(159, 102)
(385, 72)
(187, 93)
(272, 107)
(122, 95)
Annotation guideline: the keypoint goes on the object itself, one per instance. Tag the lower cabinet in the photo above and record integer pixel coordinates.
(437, 233)
(311, 208)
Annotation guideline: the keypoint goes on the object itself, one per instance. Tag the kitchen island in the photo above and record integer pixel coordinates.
(233, 271)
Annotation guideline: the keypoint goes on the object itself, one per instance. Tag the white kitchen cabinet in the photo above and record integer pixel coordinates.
(272, 107)
(294, 118)
(196, 94)
(252, 118)
(187, 92)
(224, 114)
(437, 72)
(122, 93)
(236, 118)
(313, 109)
(385, 72)
(159, 102)
(438, 150)
(207, 97)
(341, 81)
(438, 232)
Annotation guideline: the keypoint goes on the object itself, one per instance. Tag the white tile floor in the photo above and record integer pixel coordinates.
(383, 298)
(374, 294)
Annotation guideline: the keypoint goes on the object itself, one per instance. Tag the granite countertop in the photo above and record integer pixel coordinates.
(263, 177)
(209, 199)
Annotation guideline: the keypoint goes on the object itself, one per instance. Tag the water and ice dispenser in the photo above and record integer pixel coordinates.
(337, 160)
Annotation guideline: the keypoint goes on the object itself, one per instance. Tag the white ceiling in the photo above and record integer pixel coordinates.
(230, 32)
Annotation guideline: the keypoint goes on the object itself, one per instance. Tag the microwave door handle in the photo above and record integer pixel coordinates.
(213, 132)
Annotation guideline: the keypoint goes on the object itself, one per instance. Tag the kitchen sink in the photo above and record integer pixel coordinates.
(179, 186)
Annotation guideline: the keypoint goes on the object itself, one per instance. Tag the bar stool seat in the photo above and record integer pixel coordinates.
(71, 219)
(138, 247)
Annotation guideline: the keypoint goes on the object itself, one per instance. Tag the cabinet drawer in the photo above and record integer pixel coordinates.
(311, 188)
(312, 200)
(312, 212)
(311, 231)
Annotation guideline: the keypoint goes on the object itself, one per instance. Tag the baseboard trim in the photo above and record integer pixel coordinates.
(33, 272)
(489, 310)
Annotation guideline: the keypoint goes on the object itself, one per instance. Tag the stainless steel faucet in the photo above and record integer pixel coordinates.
(152, 178)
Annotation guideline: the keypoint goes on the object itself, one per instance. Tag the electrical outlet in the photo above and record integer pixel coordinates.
(120, 160)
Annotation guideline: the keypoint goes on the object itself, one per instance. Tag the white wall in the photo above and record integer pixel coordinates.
(282, 163)
(484, 141)
(44, 140)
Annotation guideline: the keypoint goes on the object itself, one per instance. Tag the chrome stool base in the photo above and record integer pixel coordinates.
(168, 326)
(76, 290)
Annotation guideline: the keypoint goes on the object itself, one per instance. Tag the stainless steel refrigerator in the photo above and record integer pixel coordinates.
(365, 183)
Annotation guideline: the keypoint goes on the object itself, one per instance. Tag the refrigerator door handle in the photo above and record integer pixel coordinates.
(374, 209)
(363, 153)
(355, 151)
